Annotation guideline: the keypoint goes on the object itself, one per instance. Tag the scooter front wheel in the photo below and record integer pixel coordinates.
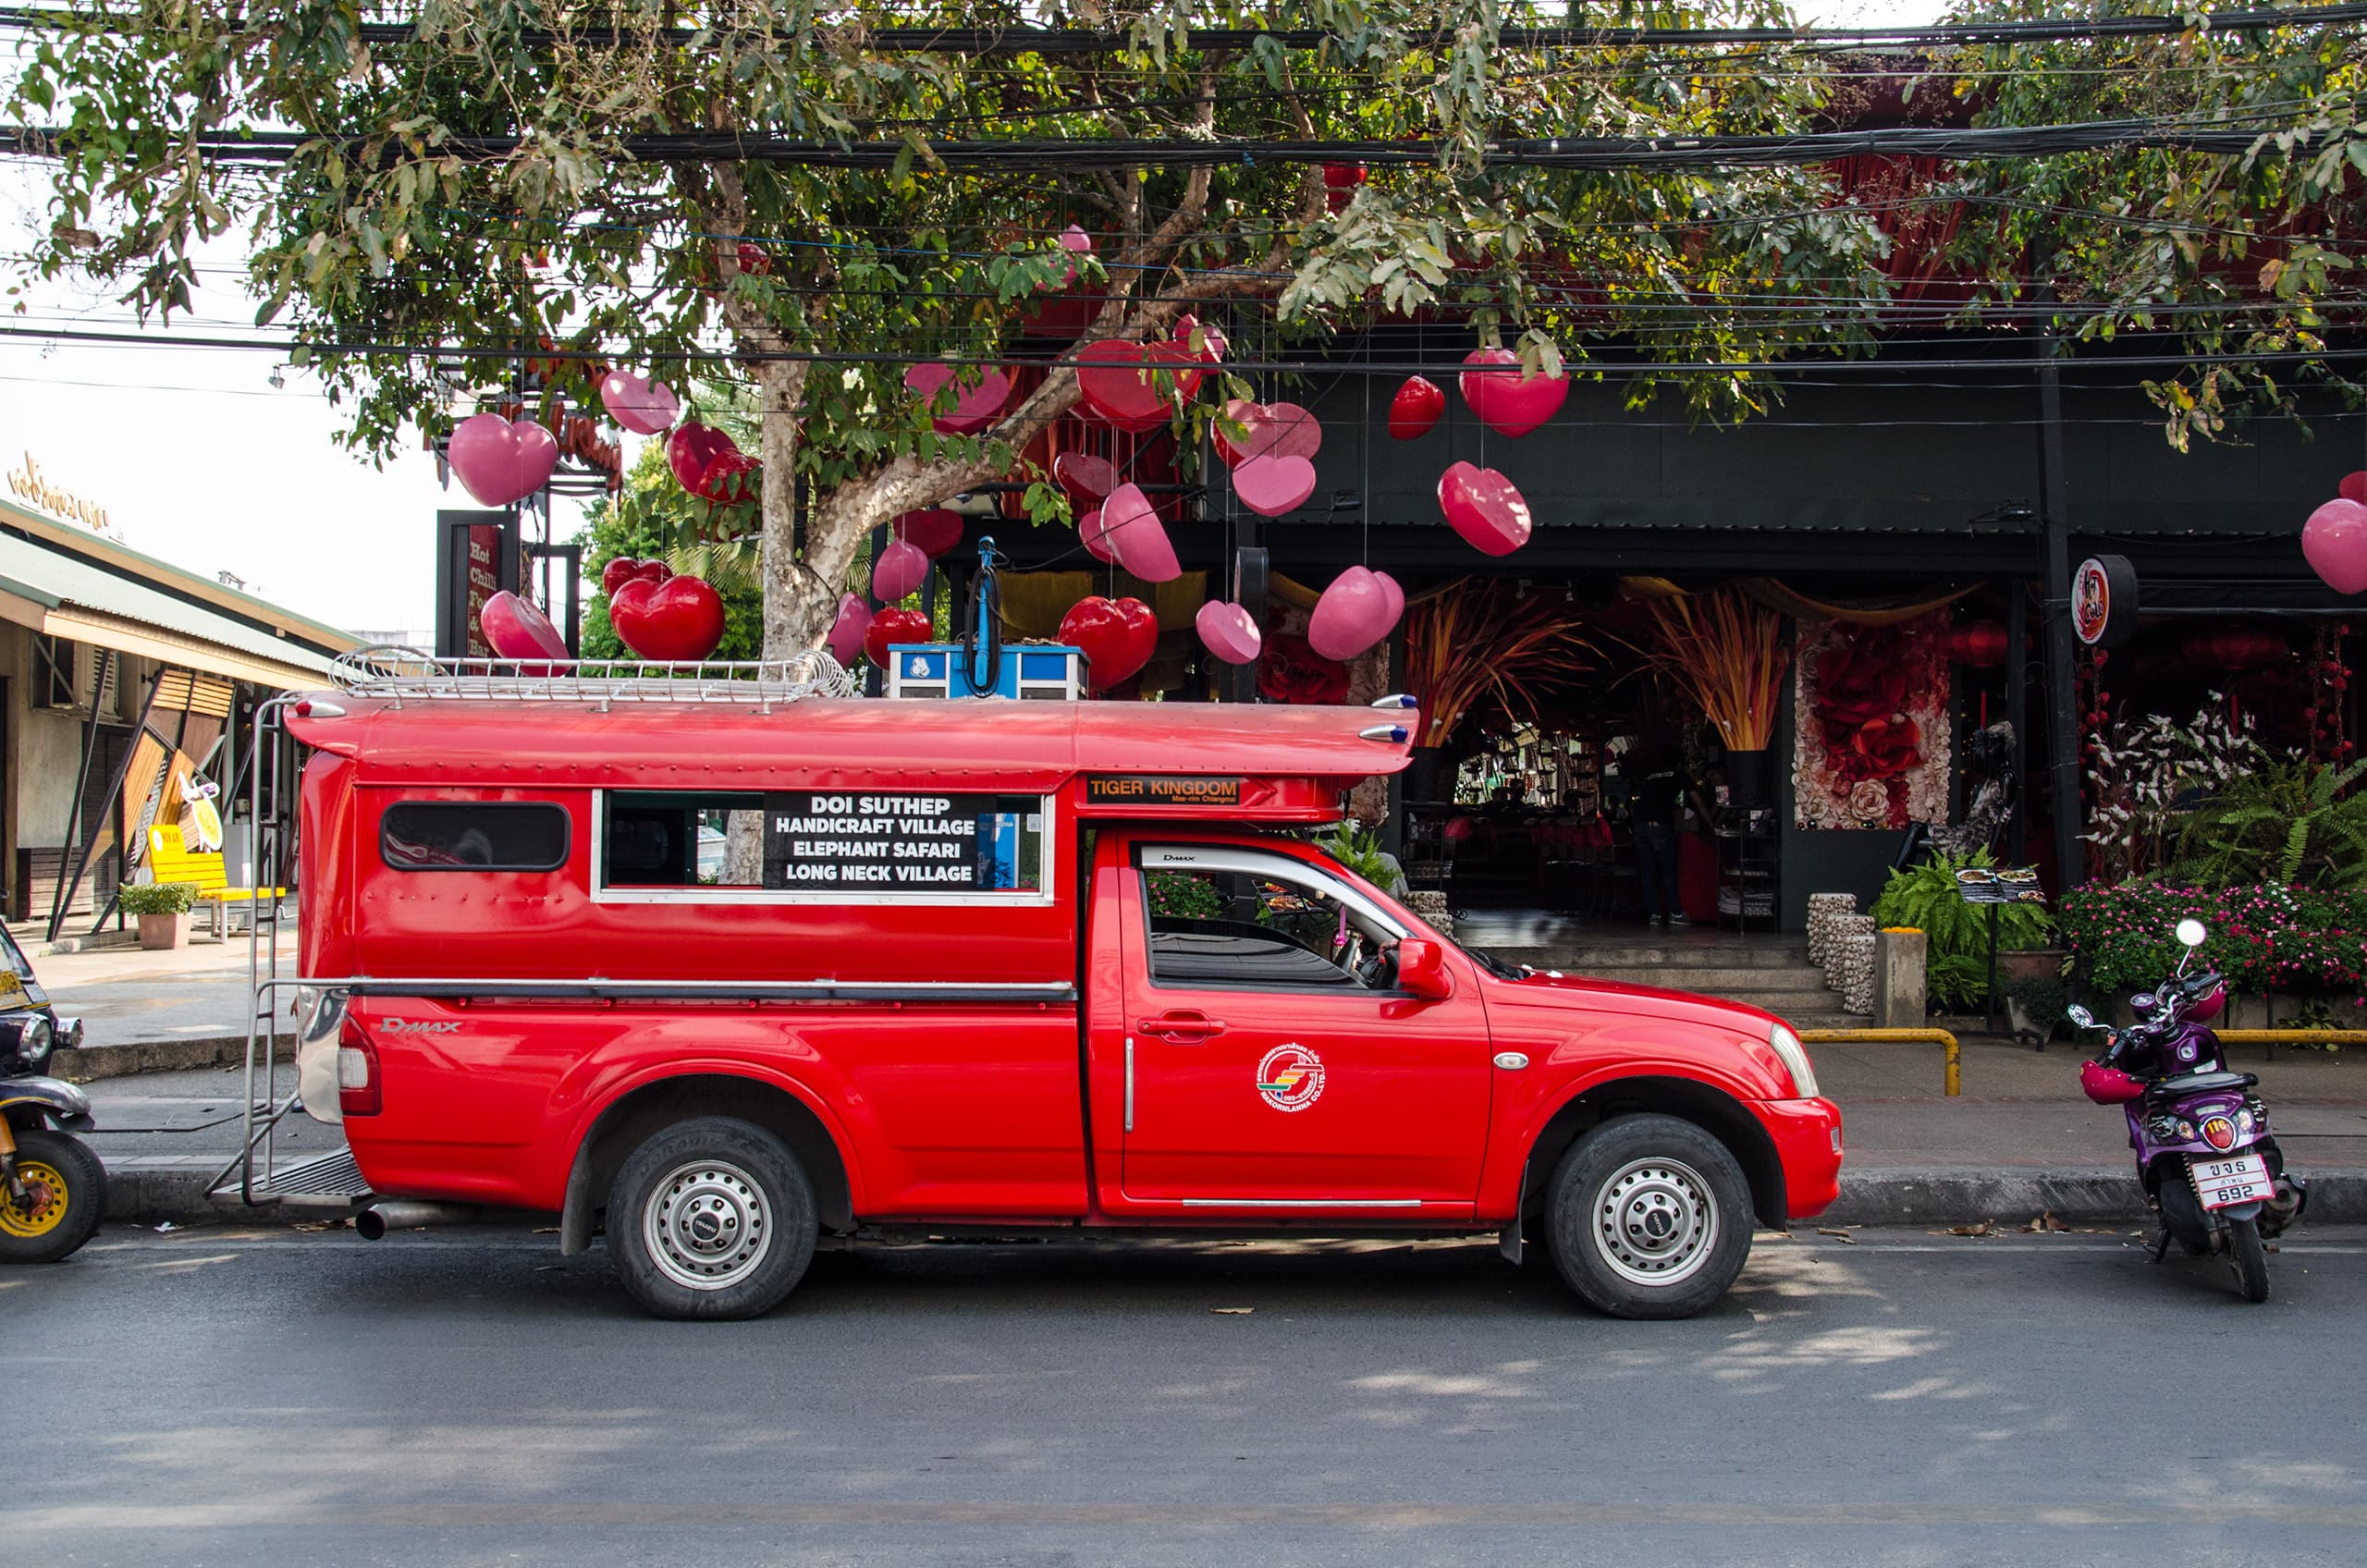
(2251, 1259)
(66, 1191)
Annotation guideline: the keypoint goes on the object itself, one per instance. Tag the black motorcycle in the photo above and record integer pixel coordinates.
(52, 1188)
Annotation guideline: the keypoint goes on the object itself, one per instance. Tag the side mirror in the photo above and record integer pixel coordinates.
(2191, 932)
(2079, 1016)
(1421, 969)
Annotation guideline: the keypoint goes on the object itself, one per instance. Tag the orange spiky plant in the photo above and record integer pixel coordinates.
(1470, 642)
(1727, 654)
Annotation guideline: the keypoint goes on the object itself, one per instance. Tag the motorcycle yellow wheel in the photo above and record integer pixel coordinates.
(45, 1189)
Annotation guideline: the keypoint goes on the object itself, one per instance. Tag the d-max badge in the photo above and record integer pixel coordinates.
(1291, 1077)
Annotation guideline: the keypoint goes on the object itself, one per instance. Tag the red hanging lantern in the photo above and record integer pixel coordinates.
(1979, 643)
(2237, 650)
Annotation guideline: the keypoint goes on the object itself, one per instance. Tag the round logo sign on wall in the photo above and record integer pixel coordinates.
(2103, 601)
(1290, 1077)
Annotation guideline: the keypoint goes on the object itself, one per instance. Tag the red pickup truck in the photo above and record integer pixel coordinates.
(729, 982)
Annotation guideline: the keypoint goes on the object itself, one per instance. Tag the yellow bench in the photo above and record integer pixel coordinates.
(170, 861)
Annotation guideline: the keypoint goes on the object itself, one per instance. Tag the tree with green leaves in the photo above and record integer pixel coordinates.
(478, 182)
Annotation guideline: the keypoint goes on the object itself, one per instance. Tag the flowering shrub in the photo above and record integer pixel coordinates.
(2262, 938)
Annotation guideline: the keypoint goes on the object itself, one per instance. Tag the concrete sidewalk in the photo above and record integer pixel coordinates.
(144, 1012)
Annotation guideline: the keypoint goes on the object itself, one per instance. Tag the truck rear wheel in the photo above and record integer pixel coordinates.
(711, 1217)
(1650, 1217)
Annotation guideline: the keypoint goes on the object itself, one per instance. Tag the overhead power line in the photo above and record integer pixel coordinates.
(1564, 152)
(1065, 42)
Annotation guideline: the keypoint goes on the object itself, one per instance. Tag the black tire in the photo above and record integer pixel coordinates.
(45, 1158)
(2251, 1259)
(1633, 1174)
(713, 1218)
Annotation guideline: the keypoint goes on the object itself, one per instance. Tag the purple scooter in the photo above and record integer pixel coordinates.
(2211, 1171)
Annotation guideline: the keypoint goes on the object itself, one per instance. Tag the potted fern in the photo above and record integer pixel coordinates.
(163, 909)
(1957, 963)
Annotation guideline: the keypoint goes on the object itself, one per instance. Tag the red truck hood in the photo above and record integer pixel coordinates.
(1618, 996)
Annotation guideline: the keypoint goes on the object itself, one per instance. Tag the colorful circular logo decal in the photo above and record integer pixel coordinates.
(1290, 1078)
(2090, 602)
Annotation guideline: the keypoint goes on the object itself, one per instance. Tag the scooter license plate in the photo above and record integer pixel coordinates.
(2239, 1178)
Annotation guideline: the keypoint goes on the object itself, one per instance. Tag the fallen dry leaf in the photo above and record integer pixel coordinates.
(2046, 1222)
(1843, 1234)
(1233, 1311)
(1986, 1228)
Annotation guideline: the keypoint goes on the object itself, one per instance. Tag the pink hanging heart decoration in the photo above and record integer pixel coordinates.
(1096, 544)
(500, 462)
(1076, 242)
(1272, 486)
(1136, 538)
(1391, 592)
(691, 448)
(1084, 476)
(974, 407)
(1201, 340)
(1484, 507)
(514, 629)
(642, 406)
(1227, 630)
(901, 568)
(1353, 613)
(934, 531)
(2335, 540)
(2353, 488)
(1278, 430)
(1510, 401)
(1415, 408)
(846, 633)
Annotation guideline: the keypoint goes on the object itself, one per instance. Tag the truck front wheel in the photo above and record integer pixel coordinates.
(1650, 1217)
(712, 1217)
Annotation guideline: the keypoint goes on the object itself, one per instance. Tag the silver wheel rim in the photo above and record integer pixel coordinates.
(706, 1225)
(1655, 1221)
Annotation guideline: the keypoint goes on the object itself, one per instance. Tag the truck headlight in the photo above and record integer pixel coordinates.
(1796, 1059)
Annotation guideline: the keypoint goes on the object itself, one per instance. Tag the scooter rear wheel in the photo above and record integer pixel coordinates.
(67, 1193)
(2251, 1259)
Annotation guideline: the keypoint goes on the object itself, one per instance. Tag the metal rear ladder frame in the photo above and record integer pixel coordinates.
(268, 755)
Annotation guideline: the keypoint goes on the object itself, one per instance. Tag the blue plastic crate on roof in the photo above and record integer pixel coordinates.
(1026, 670)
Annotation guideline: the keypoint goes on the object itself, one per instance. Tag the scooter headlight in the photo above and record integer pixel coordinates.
(1794, 1056)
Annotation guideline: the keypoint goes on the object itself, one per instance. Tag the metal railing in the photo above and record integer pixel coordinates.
(399, 675)
(1952, 1073)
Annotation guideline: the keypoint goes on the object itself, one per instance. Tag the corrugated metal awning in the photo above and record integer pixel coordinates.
(62, 595)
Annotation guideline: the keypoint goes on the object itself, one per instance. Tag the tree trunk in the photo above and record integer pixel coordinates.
(801, 596)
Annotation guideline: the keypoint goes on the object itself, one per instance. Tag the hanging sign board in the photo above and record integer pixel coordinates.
(2103, 601)
(1159, 790)
(819, 840)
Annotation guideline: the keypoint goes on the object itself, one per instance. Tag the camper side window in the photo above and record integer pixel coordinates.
(668, 838)
(474, 836)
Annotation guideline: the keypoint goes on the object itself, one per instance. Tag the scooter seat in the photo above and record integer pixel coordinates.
(2199, 1084)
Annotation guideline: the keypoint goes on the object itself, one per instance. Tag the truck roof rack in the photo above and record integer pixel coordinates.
(400, 674)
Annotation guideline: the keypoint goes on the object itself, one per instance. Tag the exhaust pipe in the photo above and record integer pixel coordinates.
(372, 1223)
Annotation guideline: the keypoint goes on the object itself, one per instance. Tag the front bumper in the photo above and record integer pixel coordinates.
(1806, 1136)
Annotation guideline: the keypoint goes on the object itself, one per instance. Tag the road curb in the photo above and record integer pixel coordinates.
(149, 1056)
(1968, 1194)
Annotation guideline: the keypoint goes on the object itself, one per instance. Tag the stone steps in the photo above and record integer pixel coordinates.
(1771, 974)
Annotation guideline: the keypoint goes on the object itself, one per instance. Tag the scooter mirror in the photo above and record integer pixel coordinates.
(2080, 1017)
(2191, 932)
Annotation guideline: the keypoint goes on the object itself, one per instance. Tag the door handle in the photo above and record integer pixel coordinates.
(1180, 1028)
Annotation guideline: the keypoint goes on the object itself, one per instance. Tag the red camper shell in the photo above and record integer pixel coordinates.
(729, 982)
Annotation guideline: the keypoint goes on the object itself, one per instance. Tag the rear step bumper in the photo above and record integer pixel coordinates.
(330, 1183)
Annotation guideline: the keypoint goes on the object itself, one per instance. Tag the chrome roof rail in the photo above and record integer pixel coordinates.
(400, 675)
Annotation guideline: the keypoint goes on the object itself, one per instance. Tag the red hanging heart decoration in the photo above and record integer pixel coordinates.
(514, 629)
(2353, 488)
(892, 628)
(1115, 385)
(676, 621)
(691, 448)
(1510, 401)
(1484, 507)
(1084, 476)
(729, 479)
(1096, 543)
(1116, 637)
(1415, 410)
(617, 573)
(932, 532)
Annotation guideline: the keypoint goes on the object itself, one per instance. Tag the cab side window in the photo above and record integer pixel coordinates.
(1234, 930)
(474, 836)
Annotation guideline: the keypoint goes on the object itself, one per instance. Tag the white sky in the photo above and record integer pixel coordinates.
(198, 460)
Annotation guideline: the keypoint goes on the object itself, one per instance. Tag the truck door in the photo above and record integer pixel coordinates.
(1273, 1065)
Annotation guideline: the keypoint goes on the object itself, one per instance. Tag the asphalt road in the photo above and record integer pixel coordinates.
(466, 1396)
